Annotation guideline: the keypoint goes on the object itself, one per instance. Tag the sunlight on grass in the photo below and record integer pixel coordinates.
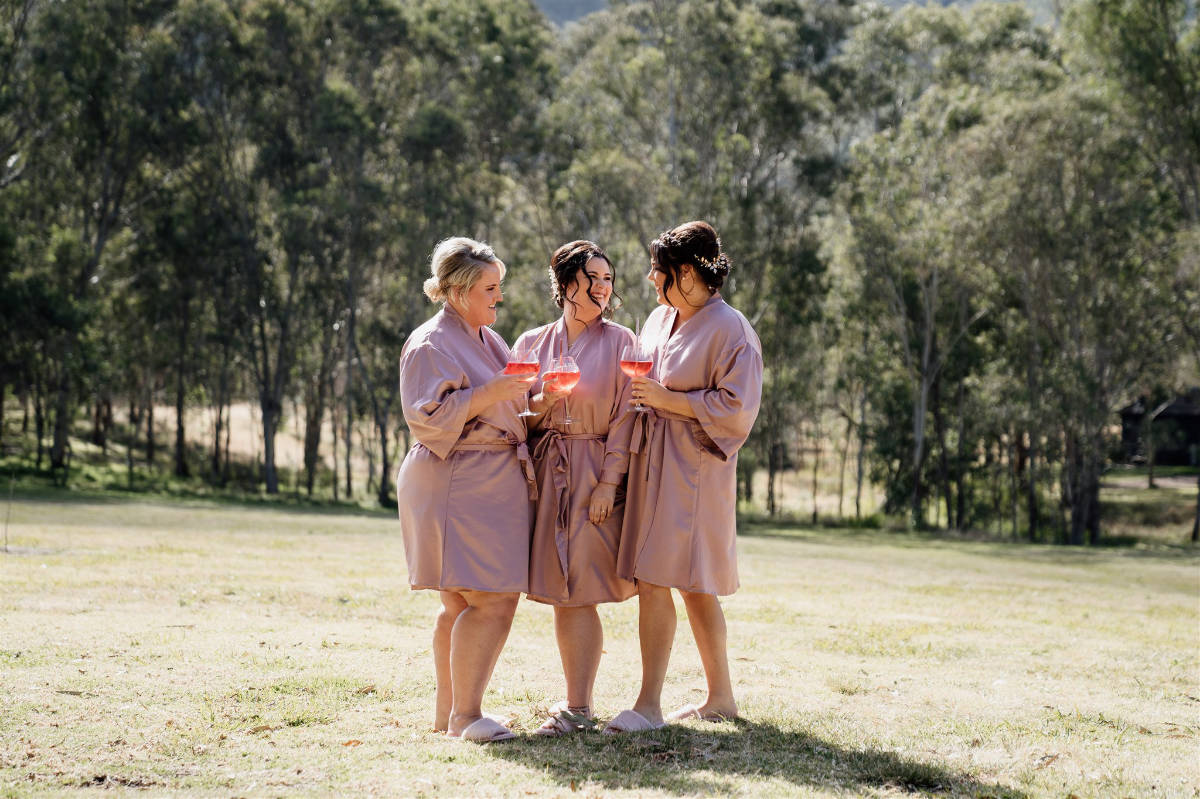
(207, 649)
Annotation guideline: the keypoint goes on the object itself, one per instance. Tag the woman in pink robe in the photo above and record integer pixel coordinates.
(580, 467)
(465, 488)
(680, 522)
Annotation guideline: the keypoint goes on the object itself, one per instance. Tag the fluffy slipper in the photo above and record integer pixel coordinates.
(631, 721)
(486, 731)
(693, 712)
(563, 721)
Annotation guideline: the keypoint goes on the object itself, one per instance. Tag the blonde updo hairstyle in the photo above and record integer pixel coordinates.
(455, 266)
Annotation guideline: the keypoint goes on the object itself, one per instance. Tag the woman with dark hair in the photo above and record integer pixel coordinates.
(464, 489)
(680, 525)
(581, 453)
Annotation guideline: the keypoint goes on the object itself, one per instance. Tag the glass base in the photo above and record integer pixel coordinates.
(526, 413)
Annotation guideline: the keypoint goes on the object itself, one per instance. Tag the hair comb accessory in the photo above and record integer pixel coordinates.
(718, 265)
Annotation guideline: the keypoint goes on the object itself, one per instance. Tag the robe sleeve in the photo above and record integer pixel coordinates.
(620, 425)
(727, 412)
(434, 396)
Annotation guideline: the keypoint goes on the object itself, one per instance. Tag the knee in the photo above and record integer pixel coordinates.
(652, 591)
(501, 607)
(698, 599)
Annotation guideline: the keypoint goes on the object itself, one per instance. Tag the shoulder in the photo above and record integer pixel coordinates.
(427, 334)
(533, 334)
(734, 325)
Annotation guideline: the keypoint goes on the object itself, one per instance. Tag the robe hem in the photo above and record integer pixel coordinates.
(433, 587)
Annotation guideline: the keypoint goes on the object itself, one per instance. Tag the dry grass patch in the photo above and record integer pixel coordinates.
(207, 650)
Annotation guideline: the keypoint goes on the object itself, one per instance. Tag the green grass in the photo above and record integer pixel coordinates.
(207, 649)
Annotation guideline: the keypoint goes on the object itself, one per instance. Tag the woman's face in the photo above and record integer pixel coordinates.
(478, 304)
(672, 296)
(587, 301)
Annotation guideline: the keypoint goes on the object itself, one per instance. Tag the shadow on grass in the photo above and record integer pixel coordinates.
(684, 760)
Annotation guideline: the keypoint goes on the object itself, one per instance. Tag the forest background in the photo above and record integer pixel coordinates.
(967, 236)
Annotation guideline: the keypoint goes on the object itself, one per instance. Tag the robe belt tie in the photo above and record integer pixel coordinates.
(510, 442)
(647, 428)
(551, 446)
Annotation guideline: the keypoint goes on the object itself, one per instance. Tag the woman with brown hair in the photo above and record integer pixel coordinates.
(680, 525)
(581, 453)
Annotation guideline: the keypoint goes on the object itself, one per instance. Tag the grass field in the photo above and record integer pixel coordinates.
(220, 650)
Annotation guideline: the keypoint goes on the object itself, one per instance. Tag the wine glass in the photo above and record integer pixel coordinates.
(636, 361)
(523, 361)
(563, 375)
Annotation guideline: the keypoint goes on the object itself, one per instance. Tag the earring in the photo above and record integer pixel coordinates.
(691, 284)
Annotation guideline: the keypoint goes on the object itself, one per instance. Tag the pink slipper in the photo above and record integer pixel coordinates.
(631, 721)
(486, 731)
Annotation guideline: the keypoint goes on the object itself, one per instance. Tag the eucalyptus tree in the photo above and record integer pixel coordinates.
(1079, 208)
(99, 74)
(1149, 50)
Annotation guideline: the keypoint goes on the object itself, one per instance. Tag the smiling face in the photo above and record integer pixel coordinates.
(588, 293)
(670, 296)
(478, 304)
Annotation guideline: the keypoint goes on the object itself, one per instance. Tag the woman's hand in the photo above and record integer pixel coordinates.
(601, 504)
(503, 388)
(546, 399)
(653, 394)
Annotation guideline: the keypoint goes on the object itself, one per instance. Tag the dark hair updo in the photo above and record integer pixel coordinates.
(694, 243)
(569, 261)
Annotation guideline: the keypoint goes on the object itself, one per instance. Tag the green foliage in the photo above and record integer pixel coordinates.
(958, 233)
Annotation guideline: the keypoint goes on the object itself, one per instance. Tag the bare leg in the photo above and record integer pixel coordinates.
(476, 640)
(656, 632)
(580, 639)
(708, 627)
(452, 605)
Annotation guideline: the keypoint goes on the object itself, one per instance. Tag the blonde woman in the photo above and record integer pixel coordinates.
(465, 488)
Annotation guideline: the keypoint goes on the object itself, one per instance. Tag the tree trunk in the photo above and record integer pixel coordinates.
(1150, 450)
(385, 483)
(181, 464)
(3, 393)
(214, 461)
(772, 471)
(860, 456)
(333, 429)
(960, 464)
(62, 421)
(842, 456)
(816, 462)
(23, 393)
(39, 420)
(134, 423)
(1075, 499)
(939, 426)
(150, 443)
(1031, 505)
(270, 421)
(1196, 521)
(314, 415)
(920, 406)
(1012, 481)
(228, 431)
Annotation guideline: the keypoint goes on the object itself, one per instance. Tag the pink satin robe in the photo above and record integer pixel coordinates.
(680, 527)
(464, 489)
(572, 561)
